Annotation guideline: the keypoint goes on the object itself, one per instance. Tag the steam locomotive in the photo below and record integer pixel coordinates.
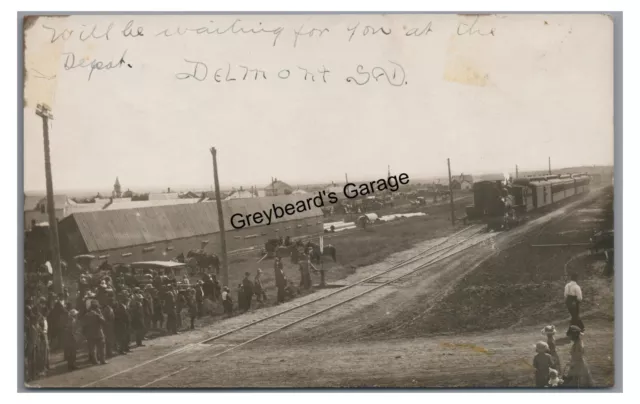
(502, 204)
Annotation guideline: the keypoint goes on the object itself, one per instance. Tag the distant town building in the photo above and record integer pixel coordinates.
(277, 188)
(164, 196)
(189, 194)
(35, 209)
(466, 182)
(240, 194)
(117, 191)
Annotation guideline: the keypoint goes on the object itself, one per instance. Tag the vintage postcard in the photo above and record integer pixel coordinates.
(318, 201)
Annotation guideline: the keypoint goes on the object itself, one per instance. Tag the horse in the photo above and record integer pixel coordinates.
(315, 251)
(204, 260)
(271, 245)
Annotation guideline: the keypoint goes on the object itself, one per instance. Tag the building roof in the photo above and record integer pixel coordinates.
(468, 178)
(278, 185)
(32, 202)
(239, 194)
(163, 196)
(299, 192)
(120, 228)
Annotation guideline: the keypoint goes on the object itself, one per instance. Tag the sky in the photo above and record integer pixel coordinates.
(539, 86)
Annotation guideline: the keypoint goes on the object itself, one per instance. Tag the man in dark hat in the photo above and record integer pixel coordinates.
(158, 317)
(247, 291)
(199, 298)
(109, 331)
(122, 323)
(70, 342)
(94, 323)
(137, 319)
(193, 308)
(147, 304)
(170, 310)
(181, 303)
(305, 275)
(217, 288)
(281, 282)
(57, 321)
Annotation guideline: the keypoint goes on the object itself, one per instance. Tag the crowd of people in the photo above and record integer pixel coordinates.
(548, 368)
(109, 316)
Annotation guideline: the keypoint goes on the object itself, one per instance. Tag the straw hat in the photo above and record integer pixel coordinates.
(550, 329)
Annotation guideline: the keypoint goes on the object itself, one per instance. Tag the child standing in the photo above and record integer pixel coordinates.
(227, 302)
(550, 332)
(542, 363)
(554, 380)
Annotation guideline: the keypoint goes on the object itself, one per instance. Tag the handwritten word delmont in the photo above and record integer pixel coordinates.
(350, 190)
(200, 71)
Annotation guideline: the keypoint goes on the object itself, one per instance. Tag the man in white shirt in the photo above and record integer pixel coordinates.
(573, 297)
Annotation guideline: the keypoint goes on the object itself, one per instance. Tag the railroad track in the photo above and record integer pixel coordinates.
(191, 355)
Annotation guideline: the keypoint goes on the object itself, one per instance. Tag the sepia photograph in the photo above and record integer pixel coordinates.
(318, 201)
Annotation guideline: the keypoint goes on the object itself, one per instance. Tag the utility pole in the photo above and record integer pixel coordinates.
(453, 212)
(516, 171)
(223, 240)
(549, 165)
(44, 112)
(388, 171)
(346, 179)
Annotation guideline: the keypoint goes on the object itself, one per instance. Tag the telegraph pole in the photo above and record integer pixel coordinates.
(44, 112)
(346, 179)
(453, 212)
(549, 165)
(516, 171)
(223, 240)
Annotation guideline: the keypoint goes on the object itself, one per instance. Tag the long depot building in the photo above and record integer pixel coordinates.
(163, 232)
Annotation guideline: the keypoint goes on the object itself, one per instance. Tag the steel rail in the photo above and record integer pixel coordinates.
(421, 255)
(340, 303)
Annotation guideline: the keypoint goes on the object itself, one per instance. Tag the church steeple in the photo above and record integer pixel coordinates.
(117, 191)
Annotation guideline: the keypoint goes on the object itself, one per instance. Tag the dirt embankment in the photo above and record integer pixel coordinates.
(510, 285)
